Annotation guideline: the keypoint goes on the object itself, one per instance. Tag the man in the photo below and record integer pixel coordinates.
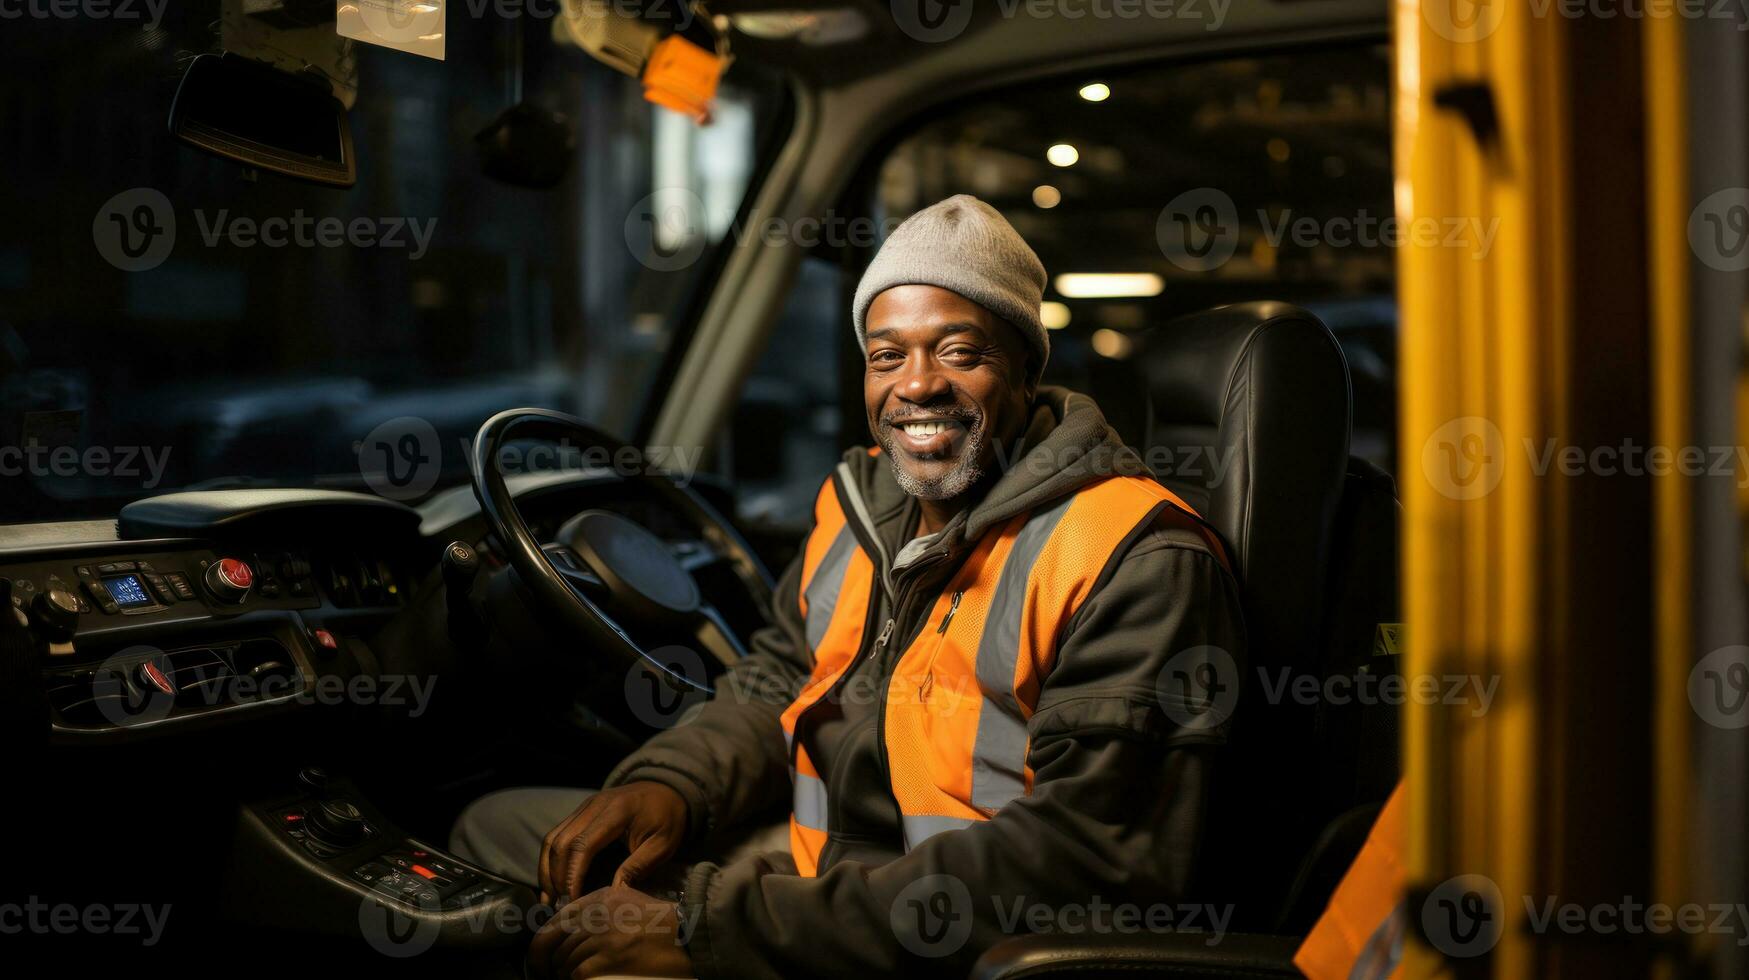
(962, 695)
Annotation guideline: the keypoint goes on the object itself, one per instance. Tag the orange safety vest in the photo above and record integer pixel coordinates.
(958, 701)
(1360, 934)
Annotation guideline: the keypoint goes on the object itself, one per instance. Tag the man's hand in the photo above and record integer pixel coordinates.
(649, 817)
(614, 930)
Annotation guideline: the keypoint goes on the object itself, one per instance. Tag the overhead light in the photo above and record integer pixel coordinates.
(1063, 155)
(817, 28)
(1046, 196)
(1109, 285)
(1096, 92)
(1054, 315)
(1109, 343)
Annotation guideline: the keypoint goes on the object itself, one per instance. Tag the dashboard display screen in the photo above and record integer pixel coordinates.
(128, 591)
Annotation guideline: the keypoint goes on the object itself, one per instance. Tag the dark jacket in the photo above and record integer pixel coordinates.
(1115, 813)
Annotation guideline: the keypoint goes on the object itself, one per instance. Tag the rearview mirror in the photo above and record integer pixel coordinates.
(262, 117)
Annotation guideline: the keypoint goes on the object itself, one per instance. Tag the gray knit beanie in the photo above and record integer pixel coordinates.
(963, 245)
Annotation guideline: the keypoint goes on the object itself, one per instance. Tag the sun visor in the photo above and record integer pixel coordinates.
(295, 36)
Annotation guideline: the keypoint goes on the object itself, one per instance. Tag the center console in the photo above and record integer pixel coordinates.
(321, 858)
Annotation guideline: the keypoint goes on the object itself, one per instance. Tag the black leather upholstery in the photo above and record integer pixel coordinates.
(1264, 388)
(1244, 411)
(1251, 408)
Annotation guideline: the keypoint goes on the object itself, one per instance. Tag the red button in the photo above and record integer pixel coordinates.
(236, 572)
(326, 639)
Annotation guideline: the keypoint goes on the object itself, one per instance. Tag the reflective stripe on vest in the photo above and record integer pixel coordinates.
(833, 567)
(1360, 934)
(960, 696)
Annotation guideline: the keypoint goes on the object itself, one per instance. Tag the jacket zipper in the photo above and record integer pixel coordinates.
(870, 536)
(952, 608)
(857, 515)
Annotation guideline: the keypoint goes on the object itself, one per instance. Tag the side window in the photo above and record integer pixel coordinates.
(1171, 188)
(791, 422)
(1148, 193)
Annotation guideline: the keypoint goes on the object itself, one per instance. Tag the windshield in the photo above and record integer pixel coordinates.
(169, 319)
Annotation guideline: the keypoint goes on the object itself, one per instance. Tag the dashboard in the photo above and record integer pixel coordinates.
(205, 604)
(206, 607)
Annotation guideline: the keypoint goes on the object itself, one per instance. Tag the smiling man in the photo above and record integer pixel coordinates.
(963, 698)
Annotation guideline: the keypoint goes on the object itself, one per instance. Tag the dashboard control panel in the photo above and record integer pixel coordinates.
(68, 597)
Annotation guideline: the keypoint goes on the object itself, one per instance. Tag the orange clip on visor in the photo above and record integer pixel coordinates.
(682, 76)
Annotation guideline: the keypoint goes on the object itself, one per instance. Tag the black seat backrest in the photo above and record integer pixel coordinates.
(1251, 420)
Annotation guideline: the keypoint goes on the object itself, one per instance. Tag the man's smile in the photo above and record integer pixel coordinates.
(930, 436)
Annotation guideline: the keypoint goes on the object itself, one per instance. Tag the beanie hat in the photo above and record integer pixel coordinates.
(962, 245)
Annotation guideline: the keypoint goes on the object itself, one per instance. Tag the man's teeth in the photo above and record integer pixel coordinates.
(923, 430)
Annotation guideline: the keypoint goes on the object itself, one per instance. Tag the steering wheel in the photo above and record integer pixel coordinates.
(604, 572)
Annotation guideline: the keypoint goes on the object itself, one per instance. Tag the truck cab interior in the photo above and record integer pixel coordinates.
(393, 414)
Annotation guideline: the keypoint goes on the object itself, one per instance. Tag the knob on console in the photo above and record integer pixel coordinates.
(337, 822)
(55, 613)
(228, 579)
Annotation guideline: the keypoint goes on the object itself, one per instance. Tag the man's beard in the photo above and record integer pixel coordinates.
(966, 471)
